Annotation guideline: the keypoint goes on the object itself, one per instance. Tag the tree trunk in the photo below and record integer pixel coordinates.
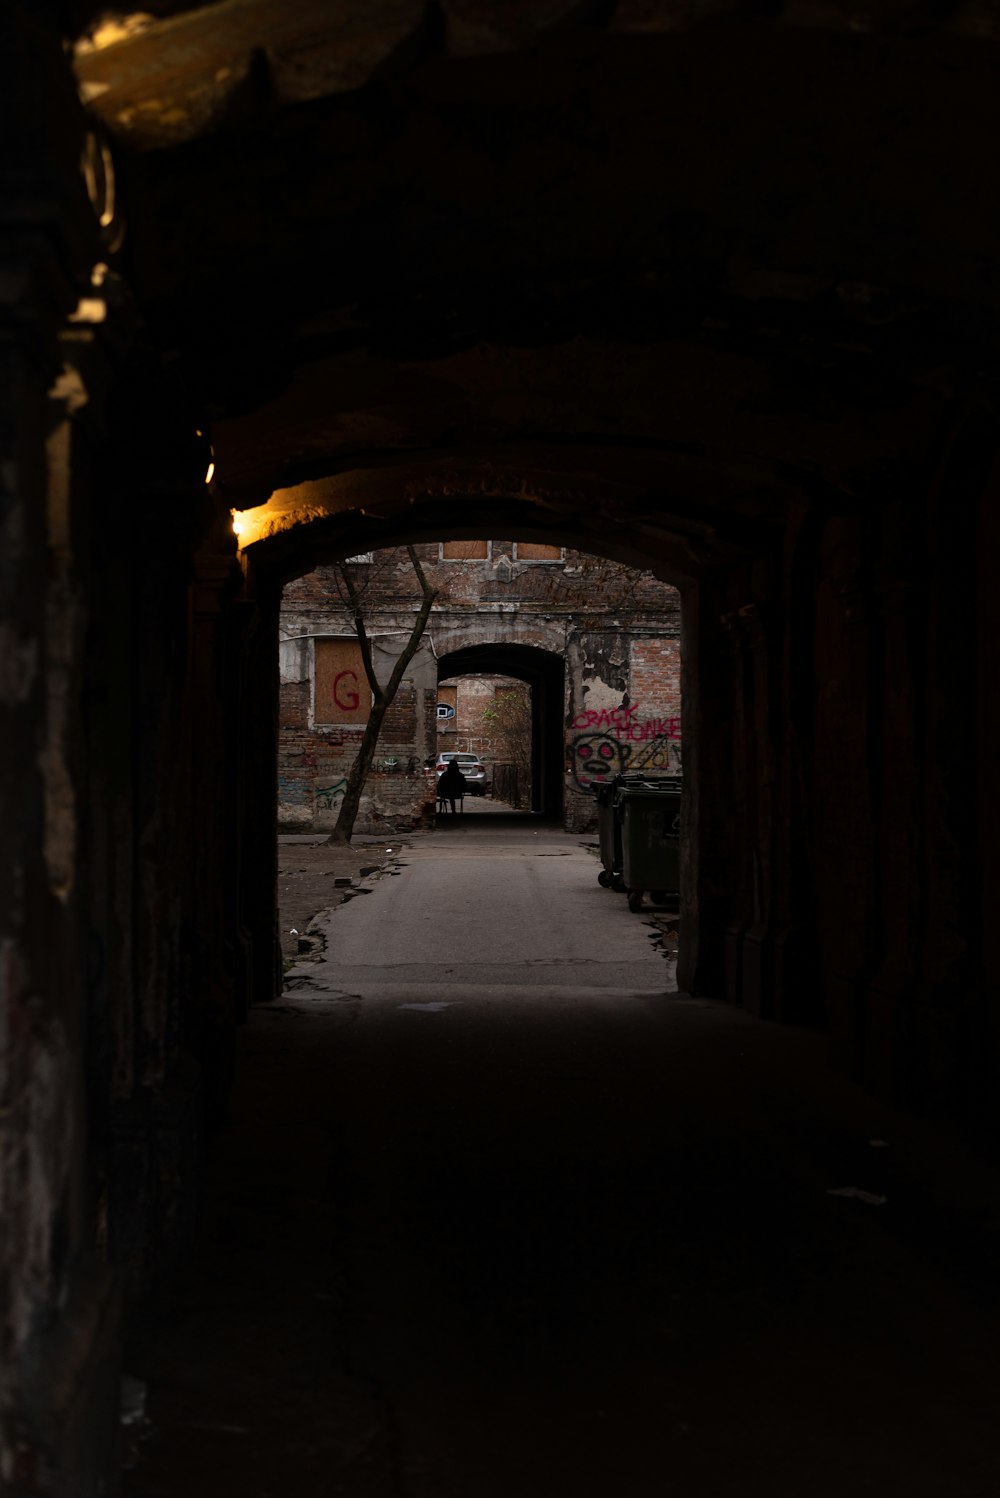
(358, 774)
(382, 696)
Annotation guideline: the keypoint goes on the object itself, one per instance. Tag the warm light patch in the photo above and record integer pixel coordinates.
(90, 309)
(253, 524)
(112, 29)
(249, 525)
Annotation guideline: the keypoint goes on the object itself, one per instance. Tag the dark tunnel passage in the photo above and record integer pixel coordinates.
(545, 674)
(711, 291)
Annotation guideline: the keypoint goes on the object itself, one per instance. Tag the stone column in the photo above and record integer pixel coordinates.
(984, 1028)
(842, 825)
(58, 1306)
(222, 983)
(707, 844)
(256, 647)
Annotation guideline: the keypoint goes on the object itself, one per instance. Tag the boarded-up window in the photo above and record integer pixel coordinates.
(465, 551)
(342, 691)
(531, 551)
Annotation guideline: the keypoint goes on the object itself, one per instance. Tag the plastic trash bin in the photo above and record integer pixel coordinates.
(651, 839)
(608, 834)
(609, 827)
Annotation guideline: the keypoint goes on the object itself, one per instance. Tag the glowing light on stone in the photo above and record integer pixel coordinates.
(250, 525)
(90, 309)
(112, 29)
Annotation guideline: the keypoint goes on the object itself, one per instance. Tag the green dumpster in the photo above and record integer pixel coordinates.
(609, 826)
(651, 839)
(608, 834)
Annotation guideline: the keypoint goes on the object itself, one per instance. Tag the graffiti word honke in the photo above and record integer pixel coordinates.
(626, 726)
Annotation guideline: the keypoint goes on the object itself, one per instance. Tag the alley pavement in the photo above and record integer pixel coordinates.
(500, 1214)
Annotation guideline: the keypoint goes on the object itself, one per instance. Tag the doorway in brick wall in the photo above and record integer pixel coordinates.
(509, 708)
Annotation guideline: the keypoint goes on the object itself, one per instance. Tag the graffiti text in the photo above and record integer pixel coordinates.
(345, 690)
(624, 724)
(327, 794)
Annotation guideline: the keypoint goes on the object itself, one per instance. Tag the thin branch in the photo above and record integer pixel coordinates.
(419, 625)
(383, 696)
(364, 644)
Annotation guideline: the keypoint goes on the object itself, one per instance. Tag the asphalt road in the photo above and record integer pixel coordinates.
(484, 906)
(501, 1216)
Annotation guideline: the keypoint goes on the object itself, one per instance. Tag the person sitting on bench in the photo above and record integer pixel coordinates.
(452, 786)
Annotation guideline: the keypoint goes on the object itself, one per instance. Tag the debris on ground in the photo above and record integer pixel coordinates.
(316, 876)
(666, 926)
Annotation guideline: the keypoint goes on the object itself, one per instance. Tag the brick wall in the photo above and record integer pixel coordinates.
(580, 585)
(624, 712)
(400, 724)
(392, 802)
(471, 696)
(654, 731)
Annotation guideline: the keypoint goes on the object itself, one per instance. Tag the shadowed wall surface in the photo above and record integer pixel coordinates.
(711, 290)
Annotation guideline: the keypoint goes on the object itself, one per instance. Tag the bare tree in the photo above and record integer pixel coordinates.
(508, 719)
(355, 599)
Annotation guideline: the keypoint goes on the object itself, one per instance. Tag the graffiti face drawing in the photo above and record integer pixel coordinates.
(597, 757)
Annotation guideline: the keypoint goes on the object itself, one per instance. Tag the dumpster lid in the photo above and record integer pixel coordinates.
(664, 787)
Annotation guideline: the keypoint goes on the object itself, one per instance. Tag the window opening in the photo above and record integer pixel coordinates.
(533, 551)
(464, 551)
(342, 693)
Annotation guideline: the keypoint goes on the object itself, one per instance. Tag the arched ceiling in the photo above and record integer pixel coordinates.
(648, 509)
(633, 275)
(523, 662)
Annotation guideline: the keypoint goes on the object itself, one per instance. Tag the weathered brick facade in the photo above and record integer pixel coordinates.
(604, 637)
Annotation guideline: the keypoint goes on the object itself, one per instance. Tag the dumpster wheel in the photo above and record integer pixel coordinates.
(604, 879)
(635, 899)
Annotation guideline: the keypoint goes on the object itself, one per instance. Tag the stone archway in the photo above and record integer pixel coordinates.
(587, 501)
(544, 672)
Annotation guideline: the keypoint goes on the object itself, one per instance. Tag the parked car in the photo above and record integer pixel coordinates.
(471, 767)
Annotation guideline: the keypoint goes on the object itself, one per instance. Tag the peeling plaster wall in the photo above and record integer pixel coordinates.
(624, 712)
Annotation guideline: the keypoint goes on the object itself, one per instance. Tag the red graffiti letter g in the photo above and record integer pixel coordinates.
(346, 697)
